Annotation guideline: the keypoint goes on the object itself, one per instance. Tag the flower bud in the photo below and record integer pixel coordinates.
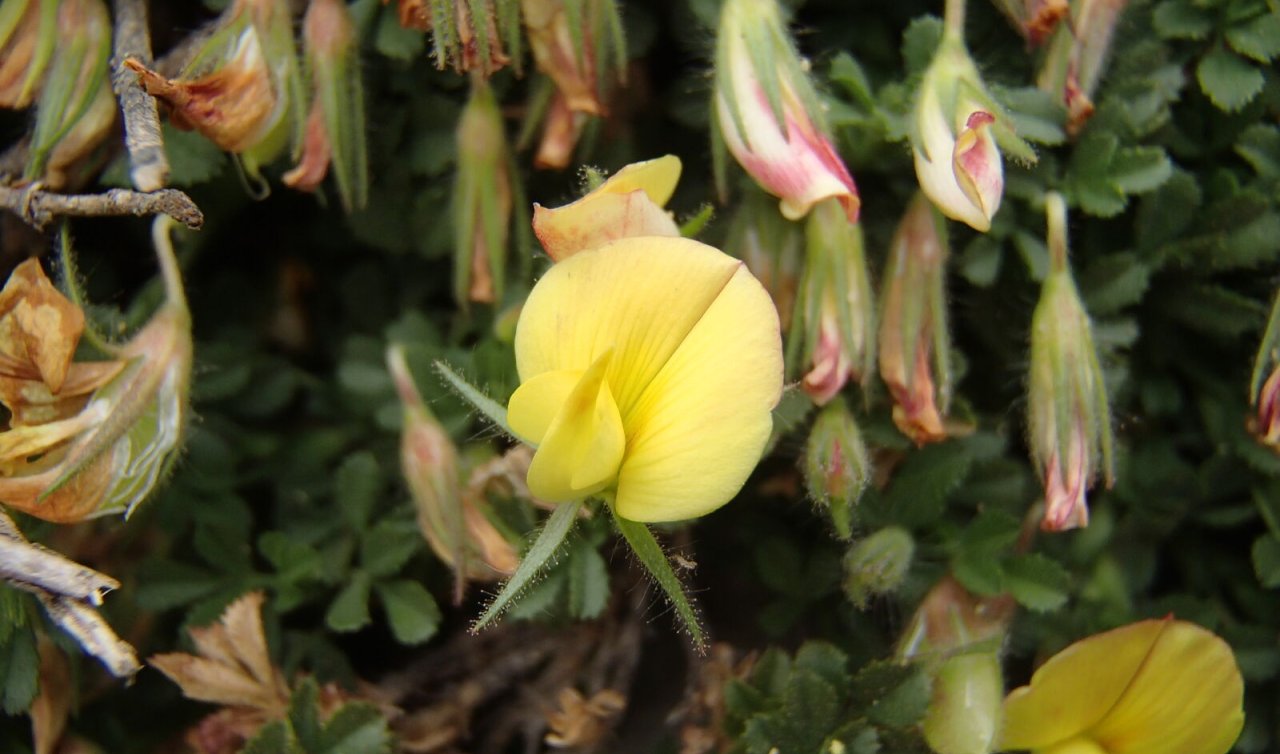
(914, 341)
(89, 438)
(965, 709)
(771, 246)
(1264, 387)
(877, 564)
(76, 108)
(451, 520)
(335, 126)
(1035, 19)
(1074, 63)
(482, 199)
(28, 35)
(837, 309)
(958, 636)
(769, 113)
(836, 466)
(1068, 415)
(954, 133)
(460, 42)
(568, 46)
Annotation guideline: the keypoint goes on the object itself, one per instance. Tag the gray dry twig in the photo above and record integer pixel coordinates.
(149, 165)
(39, 207)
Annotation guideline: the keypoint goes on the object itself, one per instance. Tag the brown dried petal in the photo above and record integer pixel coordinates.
(38, 325)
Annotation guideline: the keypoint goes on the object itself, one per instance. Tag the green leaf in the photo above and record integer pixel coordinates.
(544, 548)
(979, 572)
(1266, 560)
(1181, 19)
(846, 72)
(588, 581)
(980, 261)
(1037, 115)
(394, 41)
(1229, 80)
(654, 560)
(1257, 38)
(304, 714)
(905, 704)
(1037, 582)
(273, 738)
(922, 484)
(193, 159)
(824, 660)
(355, 485)
(349, 611)
(356, 728)
(386, 547)
(293, 560)
(1137, 170)
(20, 669)
(490, 408)
(1114, 282)
(411, 611)
(920, 42)
(1259, 145)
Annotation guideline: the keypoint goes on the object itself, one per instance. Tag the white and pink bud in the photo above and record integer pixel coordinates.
(769, 114)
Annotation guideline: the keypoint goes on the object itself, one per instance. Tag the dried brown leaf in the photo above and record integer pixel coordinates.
(39, 327)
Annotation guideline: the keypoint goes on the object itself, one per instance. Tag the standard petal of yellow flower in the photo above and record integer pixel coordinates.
(582, 448)
(1076, 688)
(1077, 746)
(1186, 698)
(695, 368)
(627, 205)
(641, 299)
(700, 427)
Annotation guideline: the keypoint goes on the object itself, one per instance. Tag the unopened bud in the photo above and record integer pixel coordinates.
(76, 108)
(954, 136)
(451, 519)
(877, 564)
(1034, 19)
(769, 113)
(482, 199)
(771, 247)
(836, 466)
(1264, 387)
(1074, 63)
(1068, 414)
(28, 35)
(335, 133)
(965, 709)
(565, 46)
(914, 340)
(837, 308)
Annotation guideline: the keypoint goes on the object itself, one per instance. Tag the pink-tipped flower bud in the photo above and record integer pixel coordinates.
(769, 113)
(1068, 415)
(837, 308)
(836, 465)
(1077, 57)
(1264, 387)
(914, 340)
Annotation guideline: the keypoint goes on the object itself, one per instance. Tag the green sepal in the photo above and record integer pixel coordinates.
(650, 554)
(540, 555)
(491, 409)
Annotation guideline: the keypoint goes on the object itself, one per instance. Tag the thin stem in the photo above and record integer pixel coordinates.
(175, 293)
(38, 207)
(149, 163)
(71, 283)
(1056, 215)
(954, 18)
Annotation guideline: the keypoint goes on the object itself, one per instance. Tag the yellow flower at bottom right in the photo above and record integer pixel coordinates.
(1153, 687)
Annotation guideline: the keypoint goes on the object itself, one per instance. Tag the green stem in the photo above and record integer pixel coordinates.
(174, 293)
(1056, 216)
(544, 548)
(954, 18)
(71, 284)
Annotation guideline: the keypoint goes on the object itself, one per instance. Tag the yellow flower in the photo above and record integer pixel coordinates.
(649, 367)
(1154, 687)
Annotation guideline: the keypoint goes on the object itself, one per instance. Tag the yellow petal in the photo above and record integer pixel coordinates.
(700, 426)
(627, 205)
(657, 178)
(1076, 688)
(597, 219)
(1077, 746)
(1187, 698)
(536, 402)
(582, 448)
(641, 297)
